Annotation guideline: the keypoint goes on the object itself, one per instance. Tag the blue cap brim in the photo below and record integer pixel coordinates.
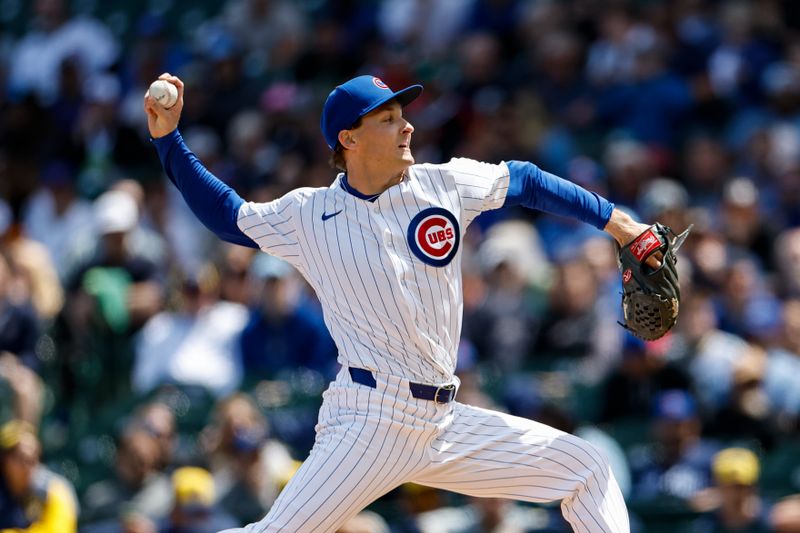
(403, 97)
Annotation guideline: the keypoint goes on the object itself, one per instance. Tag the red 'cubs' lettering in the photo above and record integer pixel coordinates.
(437, 236)
(437, 231)
(441, 235)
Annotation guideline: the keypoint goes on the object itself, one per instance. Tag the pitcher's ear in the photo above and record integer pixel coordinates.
(346, 138)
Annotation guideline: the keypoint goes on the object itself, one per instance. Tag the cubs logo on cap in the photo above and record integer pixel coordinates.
(434, 236)
(379, 83)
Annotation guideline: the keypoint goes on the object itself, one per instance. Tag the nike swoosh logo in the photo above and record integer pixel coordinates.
(326, 216)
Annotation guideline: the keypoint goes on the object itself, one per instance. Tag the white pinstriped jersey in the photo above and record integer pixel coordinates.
(388, 272)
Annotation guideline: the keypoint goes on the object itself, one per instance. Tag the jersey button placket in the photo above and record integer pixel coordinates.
(384, 235)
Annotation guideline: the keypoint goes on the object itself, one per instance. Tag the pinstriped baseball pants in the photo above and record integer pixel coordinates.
(370, 441)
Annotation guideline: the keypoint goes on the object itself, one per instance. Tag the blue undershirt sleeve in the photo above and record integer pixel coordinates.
(532, 187)
(213, 202)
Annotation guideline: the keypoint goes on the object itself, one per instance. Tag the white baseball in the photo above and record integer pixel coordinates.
(164, 93)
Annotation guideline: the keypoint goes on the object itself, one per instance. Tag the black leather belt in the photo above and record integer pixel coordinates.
(443, 394)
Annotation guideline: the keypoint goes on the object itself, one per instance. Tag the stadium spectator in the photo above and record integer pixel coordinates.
(112, 290)
(122, 280)
(746, 306)
(644, 373)
(138, 486)
(32, 498)
(56, 35)
(747, 414)
(34, 280)
(157, 419)
(610, 57)
(249, 468)
(56, 213)
(571, 324)
(736, 65)
(782, 373)
(145, 239)
(676, 464)
(665, 200)
(253, 157)
(26, 387)
(630, 167)
(787, 261)
(742, 223)
(737, 505)
(165, 234)
(282, 334)
(235, 283)
(195, 345)
(502, 322)
(654, 104)
(19, 327)
(194, 509)
(442, 22)
(707, 353)
(273, 31)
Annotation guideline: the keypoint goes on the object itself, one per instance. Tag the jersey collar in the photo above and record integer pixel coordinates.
(346, 186)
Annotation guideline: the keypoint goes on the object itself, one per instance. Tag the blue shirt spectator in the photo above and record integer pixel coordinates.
(677, 463)
(281, 333)
(651, 109)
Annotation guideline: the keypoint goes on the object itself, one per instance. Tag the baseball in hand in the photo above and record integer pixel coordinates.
(164, 93)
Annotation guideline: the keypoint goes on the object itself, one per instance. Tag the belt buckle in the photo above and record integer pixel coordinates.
(451, 393)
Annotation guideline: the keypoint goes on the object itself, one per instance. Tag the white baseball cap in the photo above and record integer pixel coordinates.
(265, 266)
(115, 212)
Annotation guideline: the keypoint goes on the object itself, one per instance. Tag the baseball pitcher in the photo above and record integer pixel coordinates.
(381, 247)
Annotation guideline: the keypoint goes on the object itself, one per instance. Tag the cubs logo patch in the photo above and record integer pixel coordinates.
(434, 236)
(379, 83)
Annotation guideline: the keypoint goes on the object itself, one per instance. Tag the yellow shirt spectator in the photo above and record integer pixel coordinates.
(32, 499)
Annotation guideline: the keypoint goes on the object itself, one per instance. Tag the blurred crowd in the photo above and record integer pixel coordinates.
(155, 379)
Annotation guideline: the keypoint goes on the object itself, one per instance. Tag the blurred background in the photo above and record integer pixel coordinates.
(153, 378)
